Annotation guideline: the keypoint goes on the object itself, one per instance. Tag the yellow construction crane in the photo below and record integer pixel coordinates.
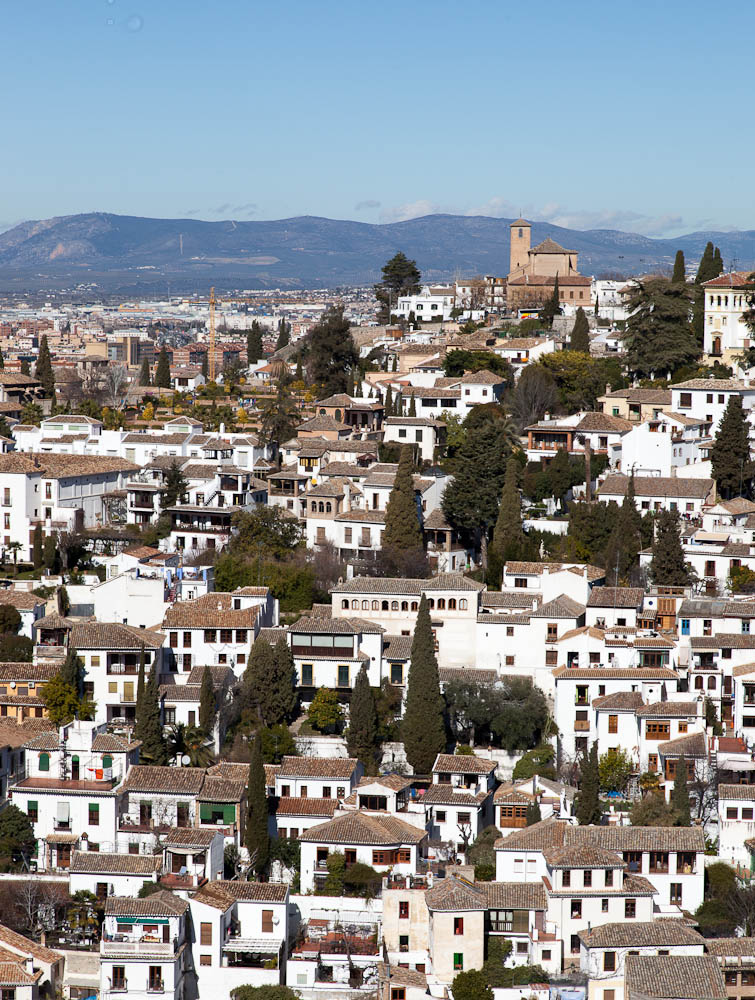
(211, 359)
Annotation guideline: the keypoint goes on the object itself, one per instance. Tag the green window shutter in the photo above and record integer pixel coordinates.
(205, 812)
(229, 814)
(32, 806)
(107, 761)
(44, 762)
(94, 807)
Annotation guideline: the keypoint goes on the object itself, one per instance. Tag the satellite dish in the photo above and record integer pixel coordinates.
(185, 760)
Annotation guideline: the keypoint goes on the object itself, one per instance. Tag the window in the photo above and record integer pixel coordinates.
(398, 993)
(574, 944)
(343, 676)
(267, 921)
(604, 906)
(685, 400)
(566, 879)
(32, 811)
(155, 982)
(119, 977)
(210, 634)
(587, 876)
(576, 909)
(397, 673)
(613, 723)
(551, 657)
(609, 961)
(403, 942)
(174, 640)
(458, 926)
(403, 910)
(609, 877)
(630, 909)
(675, 894)
(747, 814)
(463, 604)
(732, 813)
(226, 635)
(458, 961)
(44, 762)
(94, 814)
(205, 934)
(609, 994)
(306, 675)
(187, 638)
(552, 632)
(546, 953)
(205, 959)
(440, 815)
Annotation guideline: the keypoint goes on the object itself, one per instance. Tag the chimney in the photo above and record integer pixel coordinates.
(346, 498)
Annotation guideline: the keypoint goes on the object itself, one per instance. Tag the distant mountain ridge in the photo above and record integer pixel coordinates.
(128, 254)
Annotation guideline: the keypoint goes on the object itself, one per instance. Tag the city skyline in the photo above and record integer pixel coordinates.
(182, 111)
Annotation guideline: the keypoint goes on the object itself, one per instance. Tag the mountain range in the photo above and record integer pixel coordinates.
(129, 255)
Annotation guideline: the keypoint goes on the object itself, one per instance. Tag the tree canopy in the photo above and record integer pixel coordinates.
(332, 353)
(659, 338)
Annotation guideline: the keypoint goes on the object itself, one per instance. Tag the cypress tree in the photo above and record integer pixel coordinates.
(362, 736)
(284, 334)
(145, 378)
(299, 370)
(256, 836)
(552, 307)
(2, 361)
(413, 407)
(629, 531)
(148, 726)
(668, 567)
(162, 372)
(423, 728)
(207, 704)
(175, 487)
(37, 543)
(72, 670)
(680, 794)
(508, 536)
(730, 454)
(679, 275)
(279, 693)
(402, 529)
(398, 405)
(597, 305)
(260, 668)
(44, 370)
(718, 264)
(140, 682)
(588, 809)
(580, 334)
(706, 270)
(205, 365)
(389, 402)
(533, 813)
(706, 266)
(25, 370)
(254, 350)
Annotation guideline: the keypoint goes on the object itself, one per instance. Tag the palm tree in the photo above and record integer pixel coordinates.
(191, 742)
(15, 548)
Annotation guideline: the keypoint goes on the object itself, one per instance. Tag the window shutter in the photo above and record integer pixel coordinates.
(229, 814)
(205, 812)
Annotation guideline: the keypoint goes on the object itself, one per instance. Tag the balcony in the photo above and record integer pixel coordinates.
(122, 944)
(581, 726)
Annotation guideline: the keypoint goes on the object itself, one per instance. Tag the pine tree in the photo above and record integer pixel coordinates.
(679, 275)
(402, 528)
(72, 670)
(508, 535)
(256, 836)
(332, 353)
(162, 372)
(37, 544)
(148, 726)
(680, 794)
(175, 487)
(145, 377)
(254, 348)
(553, 306)
(44, 369)
(362, 735)
(730, 455)
(423, 728)
(588, 809)
(667, 567)
(659, 336)
(580, 334)
(207, 704)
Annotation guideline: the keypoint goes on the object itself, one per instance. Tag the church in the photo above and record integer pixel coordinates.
(533, 271)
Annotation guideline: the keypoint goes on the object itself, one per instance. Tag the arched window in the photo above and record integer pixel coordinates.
(441, 604)
(355, 605)
(384, 606)
(404, 605)
(452, 604)
(328, 507)
(711, 683)
(322, 412)
(44, 762)
(394, 605)
(415, 605)
(376, 605)
(365, 605)
(345, 605)
(431, 602)
(698, 683)
(463, 604)
(719, 300)
(338, 416)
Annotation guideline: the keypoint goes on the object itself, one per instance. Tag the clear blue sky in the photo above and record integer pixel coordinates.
(587, 113)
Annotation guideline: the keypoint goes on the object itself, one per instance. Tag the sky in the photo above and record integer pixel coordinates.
(587, 115)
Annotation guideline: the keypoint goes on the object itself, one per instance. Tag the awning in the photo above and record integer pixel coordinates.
(719, 537)
(736, 764)
(62, 838)
(142, 920)
(260, 945)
